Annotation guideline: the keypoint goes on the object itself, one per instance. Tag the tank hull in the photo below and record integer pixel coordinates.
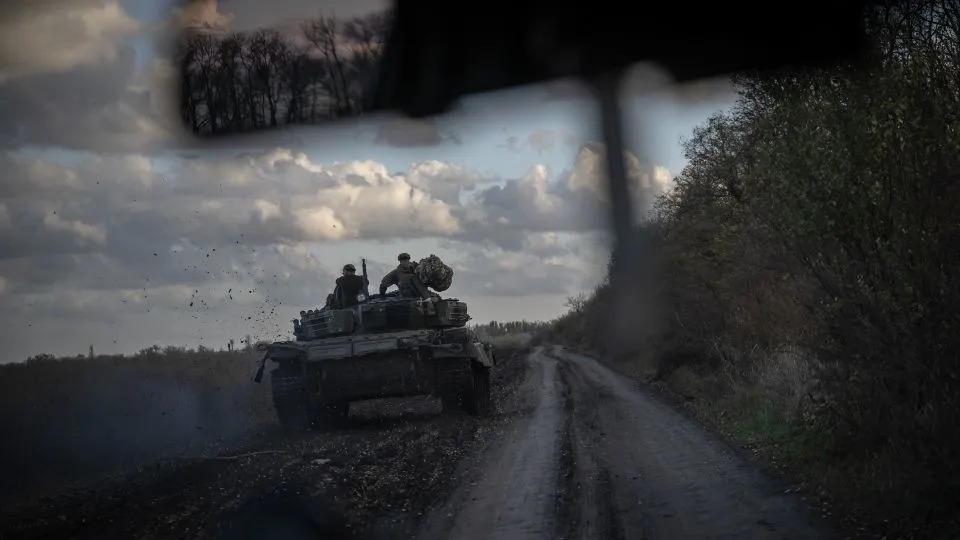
(315, 381)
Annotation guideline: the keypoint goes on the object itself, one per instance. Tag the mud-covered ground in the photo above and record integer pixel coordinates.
(372, 479)
(596, 456)
(574, 450)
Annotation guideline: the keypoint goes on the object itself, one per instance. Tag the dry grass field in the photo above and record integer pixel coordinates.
(70, 419)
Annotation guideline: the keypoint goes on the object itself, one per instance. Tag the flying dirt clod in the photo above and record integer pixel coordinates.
(385, 345)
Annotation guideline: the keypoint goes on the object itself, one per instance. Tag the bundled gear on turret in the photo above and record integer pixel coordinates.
(434, 273)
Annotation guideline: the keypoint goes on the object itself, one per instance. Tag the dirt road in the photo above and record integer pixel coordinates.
(597, 457)
(573, 451)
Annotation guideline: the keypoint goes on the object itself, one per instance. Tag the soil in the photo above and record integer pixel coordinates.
(572, 450)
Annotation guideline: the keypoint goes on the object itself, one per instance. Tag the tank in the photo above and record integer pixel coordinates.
(384, 346)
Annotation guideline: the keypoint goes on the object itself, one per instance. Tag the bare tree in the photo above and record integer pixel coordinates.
(576, 303)
(245, 81)
(322, 34)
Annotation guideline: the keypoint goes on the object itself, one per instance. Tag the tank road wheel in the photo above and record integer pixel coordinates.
(465, 386)
(450, 400)
(291, 400)
(453, 377)
(476, 395)
(331, 415)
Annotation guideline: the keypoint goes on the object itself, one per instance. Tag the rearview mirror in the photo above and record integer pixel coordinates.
(420, 56)
(300, 70)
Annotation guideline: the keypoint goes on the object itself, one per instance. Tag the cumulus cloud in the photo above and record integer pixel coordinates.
(271, 197)
(110, 236)
(105, 209)
(115, 203)
(488, 270)
(218, 247)
(96, 106)
(575, 200)
(82, 231)
(589, 174)
(70, 76)
(443, 180)
(54, 36)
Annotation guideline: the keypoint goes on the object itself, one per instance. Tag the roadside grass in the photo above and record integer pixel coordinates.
(768, 411)
(70, 419)
(763, 408)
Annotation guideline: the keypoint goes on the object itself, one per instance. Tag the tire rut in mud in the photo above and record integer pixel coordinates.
(586, 506)
(608, 519)
(569, 485)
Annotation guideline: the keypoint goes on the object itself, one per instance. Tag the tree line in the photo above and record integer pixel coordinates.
(243, 81)
(820, 215)
(502, 328)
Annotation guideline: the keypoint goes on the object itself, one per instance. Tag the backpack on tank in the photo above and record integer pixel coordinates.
(434, 273)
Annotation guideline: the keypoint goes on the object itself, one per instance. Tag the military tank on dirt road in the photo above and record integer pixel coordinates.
(384, 346)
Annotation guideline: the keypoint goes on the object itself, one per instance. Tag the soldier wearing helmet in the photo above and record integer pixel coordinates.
(349, 286)
(405, 278)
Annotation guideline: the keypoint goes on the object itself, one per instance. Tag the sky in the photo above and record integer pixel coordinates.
(119, 231)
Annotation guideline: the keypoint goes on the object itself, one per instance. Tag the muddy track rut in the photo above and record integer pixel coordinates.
(598, 457)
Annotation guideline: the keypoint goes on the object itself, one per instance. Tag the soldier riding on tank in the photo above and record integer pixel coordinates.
(348, 287)
(405, 277)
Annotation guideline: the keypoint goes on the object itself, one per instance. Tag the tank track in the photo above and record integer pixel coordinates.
(290, 400)
(453, 373)
(453, 382)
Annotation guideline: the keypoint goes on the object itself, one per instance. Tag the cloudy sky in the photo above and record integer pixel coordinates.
(119, 231)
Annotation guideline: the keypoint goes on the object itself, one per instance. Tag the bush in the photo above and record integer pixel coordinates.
(807, 259)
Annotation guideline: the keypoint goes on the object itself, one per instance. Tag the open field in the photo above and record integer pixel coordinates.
(74, 419)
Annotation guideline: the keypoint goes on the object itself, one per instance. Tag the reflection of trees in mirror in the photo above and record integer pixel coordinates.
(246, 81)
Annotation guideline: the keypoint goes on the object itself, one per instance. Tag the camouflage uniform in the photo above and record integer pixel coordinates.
(404, 276)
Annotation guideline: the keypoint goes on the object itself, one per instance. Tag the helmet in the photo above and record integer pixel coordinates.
(349, 268)
(403, 257)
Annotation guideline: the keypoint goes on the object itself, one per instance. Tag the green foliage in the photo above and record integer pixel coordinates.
(821, 213)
